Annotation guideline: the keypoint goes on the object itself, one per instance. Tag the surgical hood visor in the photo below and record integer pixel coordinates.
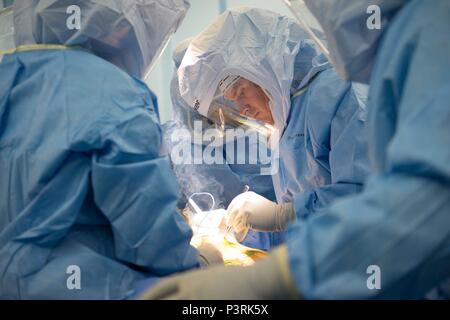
(349, 31)
(240, 103)
(249, 44)
(129, 33)
(6, 29)
(308, 21)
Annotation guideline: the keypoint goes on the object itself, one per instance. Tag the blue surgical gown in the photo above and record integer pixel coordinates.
(323, 150)
(401, 221)
(82, 182)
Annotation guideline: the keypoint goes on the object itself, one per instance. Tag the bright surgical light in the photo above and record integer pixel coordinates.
(209, 227)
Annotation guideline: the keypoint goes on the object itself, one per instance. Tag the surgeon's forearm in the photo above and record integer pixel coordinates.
(272, 276)
(392, 225)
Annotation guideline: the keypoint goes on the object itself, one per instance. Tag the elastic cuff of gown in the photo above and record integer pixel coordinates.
(285, 216)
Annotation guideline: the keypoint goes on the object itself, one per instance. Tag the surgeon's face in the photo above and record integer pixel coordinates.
(251, 100)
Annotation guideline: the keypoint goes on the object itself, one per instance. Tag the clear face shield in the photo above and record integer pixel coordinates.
(6, 29)
(308, 21)
(158, 54)
(122, 48)
(240, 103)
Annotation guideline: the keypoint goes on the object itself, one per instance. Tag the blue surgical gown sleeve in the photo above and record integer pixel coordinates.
(137, 192)
(345, 153)
(86, 185)
(401, 222)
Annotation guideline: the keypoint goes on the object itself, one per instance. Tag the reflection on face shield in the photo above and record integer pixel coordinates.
(6, 29)
(119, 37)
(240, 103)
(310, 23)
(120, 47)
(130, 34)
(250, 100)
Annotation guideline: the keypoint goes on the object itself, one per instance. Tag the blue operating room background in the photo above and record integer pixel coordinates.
(201, 14)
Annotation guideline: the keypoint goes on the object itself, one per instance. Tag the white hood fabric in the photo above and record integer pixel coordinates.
(128, 33)
(256, 44)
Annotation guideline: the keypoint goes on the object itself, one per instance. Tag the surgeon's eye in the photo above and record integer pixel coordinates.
(241, 92)
(231, 93)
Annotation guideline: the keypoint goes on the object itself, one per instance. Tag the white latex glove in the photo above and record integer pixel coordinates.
(209, 255)
(250, 210)
(268, 278)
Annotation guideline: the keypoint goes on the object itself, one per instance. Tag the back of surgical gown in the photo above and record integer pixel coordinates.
(87, 203)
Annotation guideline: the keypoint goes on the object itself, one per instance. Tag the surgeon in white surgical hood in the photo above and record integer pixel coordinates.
(399, 223)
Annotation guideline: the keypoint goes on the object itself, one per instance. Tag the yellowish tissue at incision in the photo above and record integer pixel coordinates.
(209, 227)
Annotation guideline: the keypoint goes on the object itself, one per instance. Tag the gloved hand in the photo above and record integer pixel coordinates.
(209, 255)
(268, 278)
(250, 210)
